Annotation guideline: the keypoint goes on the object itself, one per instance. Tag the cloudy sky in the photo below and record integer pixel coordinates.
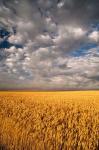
(49, 44)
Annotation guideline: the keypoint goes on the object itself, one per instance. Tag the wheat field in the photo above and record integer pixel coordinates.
(49, 120)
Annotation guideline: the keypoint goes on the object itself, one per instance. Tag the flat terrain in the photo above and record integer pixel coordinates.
(49, 120)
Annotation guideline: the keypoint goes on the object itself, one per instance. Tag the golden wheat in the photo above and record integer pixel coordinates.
(49, 120)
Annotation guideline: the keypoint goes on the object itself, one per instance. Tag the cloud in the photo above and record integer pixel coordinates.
(94, 36)
(16, 39)
(43, 36)
(60, 4)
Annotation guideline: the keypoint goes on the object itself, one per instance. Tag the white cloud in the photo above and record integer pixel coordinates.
(16, 39)
(58, 72)
(57, 80)
(69, 34)
(94, 36)
(43, 38)
(12, 49)
(21, 78)
(9, 64)
(14, 70)
(78, 32)
(61, 4)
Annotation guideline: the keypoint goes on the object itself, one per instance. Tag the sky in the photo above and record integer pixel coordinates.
(49, 44)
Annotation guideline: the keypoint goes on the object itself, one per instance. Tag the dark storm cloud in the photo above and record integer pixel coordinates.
(87, 9)
(81, 12)
(38, 38)
(72, 11)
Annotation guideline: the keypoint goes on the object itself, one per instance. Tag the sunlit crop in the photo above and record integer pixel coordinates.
(49, 120)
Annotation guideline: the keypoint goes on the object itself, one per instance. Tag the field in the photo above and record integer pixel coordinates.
(49, 120)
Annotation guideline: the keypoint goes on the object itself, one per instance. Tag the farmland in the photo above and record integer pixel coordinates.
(49, 120)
